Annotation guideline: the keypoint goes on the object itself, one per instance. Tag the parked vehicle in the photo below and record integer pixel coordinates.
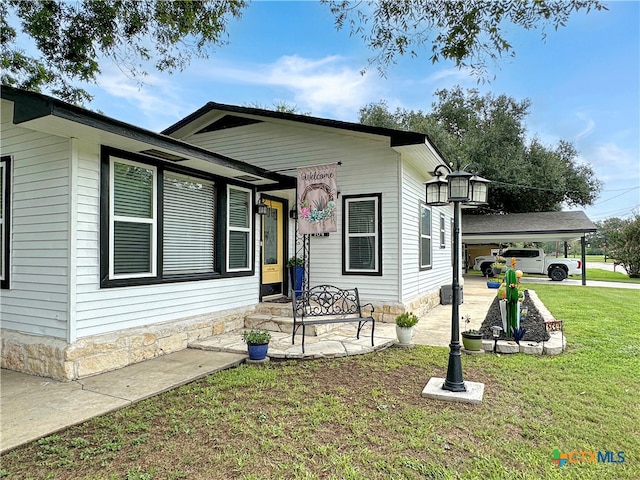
(532, 260)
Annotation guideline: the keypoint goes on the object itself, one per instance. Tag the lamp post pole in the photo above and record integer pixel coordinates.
(470, 189)
(454, 381)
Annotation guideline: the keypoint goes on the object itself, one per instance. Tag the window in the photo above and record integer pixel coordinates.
(238, 229)
(163, 223)
(4, 220)
(442, 224)
(188, 225)
(133, 217)
(362, 235)
(425, 237)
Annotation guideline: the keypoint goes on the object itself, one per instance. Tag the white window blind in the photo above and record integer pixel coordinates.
(133, 229)
(425, 236)
(238, 229)
(188, 225)
(362, 235)
(3, 189)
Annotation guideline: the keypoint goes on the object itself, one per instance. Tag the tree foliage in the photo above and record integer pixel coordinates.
(469, 32)
(620, 240)
(489, 132)
(72, 38)
(625, 246)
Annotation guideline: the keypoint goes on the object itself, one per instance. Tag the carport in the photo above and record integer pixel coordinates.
(529, 227)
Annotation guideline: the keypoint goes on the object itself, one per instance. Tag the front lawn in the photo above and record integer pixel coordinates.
(364, 418)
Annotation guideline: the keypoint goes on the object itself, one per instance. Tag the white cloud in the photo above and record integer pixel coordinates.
(587, 130)
(612, 163)
(326, 86)
(451, 75)
(156, 100)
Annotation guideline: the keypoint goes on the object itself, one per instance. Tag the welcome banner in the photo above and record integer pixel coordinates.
(317, 195)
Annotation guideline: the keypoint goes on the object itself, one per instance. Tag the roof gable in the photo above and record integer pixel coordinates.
(397, 138)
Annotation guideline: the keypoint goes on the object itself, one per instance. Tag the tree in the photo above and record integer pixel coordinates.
(489, 131)
(624, 246)
(73, 37)
(466, 31)
(609, 235)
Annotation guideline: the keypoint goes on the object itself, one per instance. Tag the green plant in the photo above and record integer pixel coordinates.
(497, 264)
(470, 331)
(406, 320)
(295, 262)
(256, 336)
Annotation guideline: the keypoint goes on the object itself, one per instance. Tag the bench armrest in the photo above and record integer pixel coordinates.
(368, 305)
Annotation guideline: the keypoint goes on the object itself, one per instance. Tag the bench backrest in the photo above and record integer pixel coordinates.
(323, 300)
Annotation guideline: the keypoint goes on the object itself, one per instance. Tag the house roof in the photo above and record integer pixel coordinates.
(398, 138)
(51, 115)
(525, 227)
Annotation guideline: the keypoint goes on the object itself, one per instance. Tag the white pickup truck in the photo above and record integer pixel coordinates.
(532, 260)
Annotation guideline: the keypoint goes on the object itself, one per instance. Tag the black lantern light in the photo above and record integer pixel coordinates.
(262, 207)
(437, 189)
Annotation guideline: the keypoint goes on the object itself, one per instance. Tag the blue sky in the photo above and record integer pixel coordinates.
(583, 82)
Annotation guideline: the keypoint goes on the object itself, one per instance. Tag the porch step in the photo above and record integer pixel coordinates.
(284, 324)
(275, 309)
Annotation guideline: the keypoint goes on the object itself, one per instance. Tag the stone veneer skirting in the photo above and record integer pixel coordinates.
(57, 359)
(420, 306)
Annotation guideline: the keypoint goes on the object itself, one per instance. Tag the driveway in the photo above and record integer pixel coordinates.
(578, 282)
(610, 266)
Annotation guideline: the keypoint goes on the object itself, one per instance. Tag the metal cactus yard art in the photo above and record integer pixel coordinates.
(509, 292)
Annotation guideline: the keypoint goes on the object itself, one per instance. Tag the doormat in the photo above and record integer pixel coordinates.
(282, 299)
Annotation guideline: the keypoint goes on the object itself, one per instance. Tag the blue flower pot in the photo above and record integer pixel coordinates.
(257, 352)
(296, 275)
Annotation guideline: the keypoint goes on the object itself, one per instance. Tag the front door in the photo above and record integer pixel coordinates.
(273, 249)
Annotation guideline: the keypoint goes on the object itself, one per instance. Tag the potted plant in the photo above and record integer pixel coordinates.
(296, 274)
(257, 341)
(404, 327)
(471, 339)
(498, 267)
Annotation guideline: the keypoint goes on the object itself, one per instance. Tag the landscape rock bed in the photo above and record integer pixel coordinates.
(533, 322)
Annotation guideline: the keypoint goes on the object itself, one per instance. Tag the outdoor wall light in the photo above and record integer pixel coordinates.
(495, 331)
(293, 213)
(459, 187)
(262, 207)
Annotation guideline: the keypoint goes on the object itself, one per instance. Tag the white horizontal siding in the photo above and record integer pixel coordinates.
(369, 166)
(416, 283)
(37, 301)
(101, 310)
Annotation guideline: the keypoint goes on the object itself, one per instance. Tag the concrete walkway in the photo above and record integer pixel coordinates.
(32, 407)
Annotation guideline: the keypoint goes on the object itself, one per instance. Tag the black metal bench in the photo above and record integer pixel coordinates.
(325, 304)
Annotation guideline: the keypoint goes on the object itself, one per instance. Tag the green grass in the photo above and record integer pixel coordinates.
(607, 276)
(363, 417)
(592, 274)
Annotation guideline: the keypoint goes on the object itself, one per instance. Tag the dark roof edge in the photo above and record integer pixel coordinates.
(398, 138)
(36, 105)
(529, 232)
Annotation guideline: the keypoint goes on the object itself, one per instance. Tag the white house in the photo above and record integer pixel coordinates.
(120, 244)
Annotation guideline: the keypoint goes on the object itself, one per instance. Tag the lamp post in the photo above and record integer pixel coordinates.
(459, 187)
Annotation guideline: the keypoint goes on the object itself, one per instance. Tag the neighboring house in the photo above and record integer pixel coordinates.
(119, 244)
